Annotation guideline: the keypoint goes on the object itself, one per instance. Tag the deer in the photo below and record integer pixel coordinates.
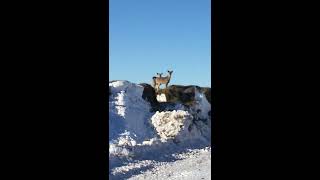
(153, 79)
(154, 85)
(159, 74)
(162, 80)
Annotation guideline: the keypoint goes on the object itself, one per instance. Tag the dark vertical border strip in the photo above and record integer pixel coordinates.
(216, 42)
(106, 88)
(104, 127)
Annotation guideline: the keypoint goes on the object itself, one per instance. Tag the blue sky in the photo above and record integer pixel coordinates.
(150, 36)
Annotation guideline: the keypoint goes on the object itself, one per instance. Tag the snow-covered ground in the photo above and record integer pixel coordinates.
(192, 165)
(157, 145)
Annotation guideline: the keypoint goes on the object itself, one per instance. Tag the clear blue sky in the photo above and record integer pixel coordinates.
(150, 36)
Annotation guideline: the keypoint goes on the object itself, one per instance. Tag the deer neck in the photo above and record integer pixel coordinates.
(168, 78)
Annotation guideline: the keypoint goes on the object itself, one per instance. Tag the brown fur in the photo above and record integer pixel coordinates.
(162, 80)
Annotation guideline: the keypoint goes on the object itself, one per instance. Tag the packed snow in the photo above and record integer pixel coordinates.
(193, 165)
(172, 144)
(161, 98)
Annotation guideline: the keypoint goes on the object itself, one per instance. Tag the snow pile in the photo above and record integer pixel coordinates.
(173, 124)
(134, 129)
(129, 114)
(140, 139)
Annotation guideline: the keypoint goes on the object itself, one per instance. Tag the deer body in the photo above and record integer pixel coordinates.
(154, 85)
(162, 80)
(154, 79)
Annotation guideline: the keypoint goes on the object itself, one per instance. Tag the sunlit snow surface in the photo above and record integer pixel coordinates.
(150, 145)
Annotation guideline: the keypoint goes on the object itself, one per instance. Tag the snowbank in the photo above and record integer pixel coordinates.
(134, 128)
(128, 111)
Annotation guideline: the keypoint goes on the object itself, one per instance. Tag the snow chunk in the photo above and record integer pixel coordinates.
(161, 98)
(172, 124)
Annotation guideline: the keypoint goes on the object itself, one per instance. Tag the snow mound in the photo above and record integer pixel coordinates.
(135, 130)
(128, 113)
(172, 124)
